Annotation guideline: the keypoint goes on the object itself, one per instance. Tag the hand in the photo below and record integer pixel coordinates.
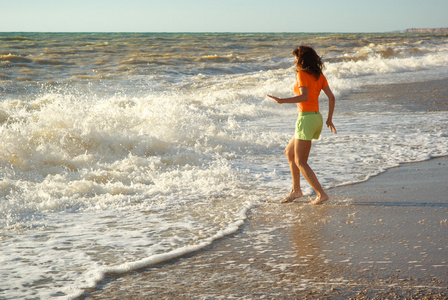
(331, 126)
(275, 98)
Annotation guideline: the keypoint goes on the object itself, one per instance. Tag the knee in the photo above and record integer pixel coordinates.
(289, 154)
(300, 163)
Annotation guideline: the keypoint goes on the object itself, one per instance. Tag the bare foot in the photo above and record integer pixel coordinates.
(320, 199)
(292, 196)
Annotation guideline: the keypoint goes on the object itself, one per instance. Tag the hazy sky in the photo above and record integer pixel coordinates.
(222, 15)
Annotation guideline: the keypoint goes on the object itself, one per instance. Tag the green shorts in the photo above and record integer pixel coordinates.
(309, 125)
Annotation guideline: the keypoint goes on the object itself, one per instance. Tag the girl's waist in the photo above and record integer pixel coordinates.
(306, 113)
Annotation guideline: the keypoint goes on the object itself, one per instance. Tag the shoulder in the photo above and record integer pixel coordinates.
(302, 76)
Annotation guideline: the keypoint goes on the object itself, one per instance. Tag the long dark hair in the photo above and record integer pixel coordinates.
(307, 60)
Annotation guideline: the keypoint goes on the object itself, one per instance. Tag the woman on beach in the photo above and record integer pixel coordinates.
(309, 82)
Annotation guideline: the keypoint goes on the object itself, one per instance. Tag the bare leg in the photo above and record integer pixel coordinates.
(296, 191)
(302, 150)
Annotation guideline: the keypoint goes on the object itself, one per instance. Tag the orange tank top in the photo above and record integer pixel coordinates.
(314, 87)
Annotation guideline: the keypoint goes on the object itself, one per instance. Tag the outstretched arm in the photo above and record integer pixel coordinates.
(331, 104)
(296, 99)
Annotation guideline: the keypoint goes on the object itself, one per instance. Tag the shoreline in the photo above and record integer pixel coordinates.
(385, 237)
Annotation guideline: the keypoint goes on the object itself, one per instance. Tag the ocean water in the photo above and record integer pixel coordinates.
(119, 151)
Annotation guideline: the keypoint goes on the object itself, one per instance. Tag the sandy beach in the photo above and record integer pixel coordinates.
(385, 239)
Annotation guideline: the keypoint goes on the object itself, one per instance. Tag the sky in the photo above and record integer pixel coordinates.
(221, 15)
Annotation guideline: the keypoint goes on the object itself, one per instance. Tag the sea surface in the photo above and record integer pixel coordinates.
(122, 150)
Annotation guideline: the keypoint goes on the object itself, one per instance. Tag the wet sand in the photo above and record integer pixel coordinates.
(386, 238)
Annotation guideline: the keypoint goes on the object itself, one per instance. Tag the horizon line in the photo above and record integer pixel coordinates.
(127, 31)
(391, 31)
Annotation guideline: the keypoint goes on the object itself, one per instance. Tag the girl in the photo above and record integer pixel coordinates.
(309, 82)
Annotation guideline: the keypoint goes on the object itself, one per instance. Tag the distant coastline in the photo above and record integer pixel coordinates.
(427, 30)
